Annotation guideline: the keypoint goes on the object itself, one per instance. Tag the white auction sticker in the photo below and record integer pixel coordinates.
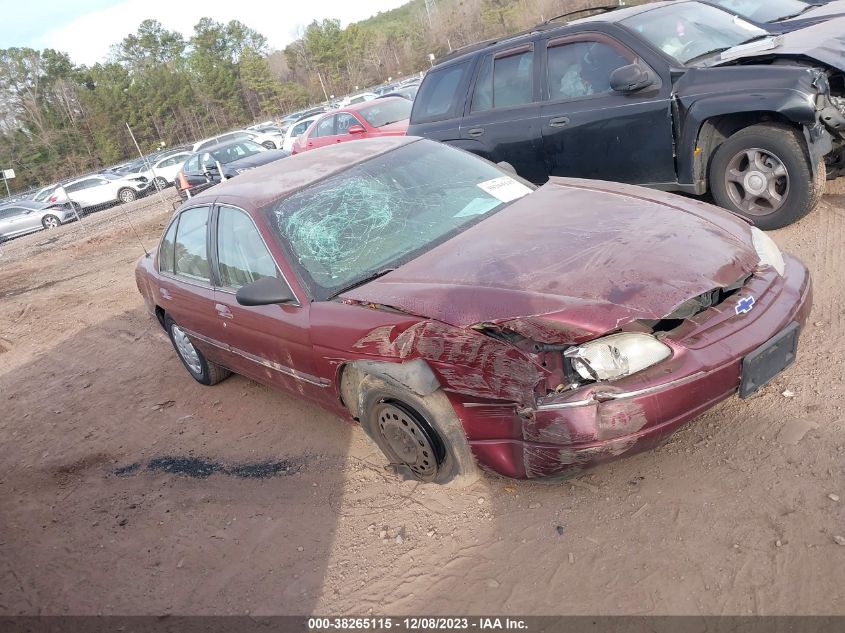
(505, 188)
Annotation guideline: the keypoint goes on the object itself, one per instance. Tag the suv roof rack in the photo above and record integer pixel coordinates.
(544, 26)
(599, 9)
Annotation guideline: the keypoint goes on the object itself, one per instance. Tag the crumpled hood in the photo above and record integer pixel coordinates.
(589, 255)
(823, 42)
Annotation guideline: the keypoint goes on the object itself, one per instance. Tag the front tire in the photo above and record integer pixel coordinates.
(763, 173)
(50, 222)
(269, 144)
(127, 195)
(201, 369)
(421, 435)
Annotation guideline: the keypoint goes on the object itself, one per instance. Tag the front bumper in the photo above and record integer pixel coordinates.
(570, 432)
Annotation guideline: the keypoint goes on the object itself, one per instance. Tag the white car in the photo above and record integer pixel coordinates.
(270, 141)
(267, 138)
(163, 171)
(359, 98)
(296, 129)
(98, 190)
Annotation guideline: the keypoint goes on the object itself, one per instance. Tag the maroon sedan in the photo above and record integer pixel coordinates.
(462, 316)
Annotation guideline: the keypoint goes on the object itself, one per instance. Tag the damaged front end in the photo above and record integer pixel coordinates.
(628, 391)
(830, 106)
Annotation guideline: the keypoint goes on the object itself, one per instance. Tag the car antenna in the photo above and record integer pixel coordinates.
(599, 9)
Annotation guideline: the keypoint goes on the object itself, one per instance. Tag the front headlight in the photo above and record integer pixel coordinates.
(617, 355)
(768, 251)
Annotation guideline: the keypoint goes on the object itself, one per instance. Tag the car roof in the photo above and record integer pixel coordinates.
(216, 146)
(612, 15)
(260, 186)
(106, 175)
(355, 107)
(26, 204)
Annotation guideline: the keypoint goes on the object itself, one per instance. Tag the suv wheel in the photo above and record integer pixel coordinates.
(127, 195)
(763, 173)
(269, 144)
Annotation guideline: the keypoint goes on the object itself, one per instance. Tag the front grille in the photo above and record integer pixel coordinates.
(700, 303)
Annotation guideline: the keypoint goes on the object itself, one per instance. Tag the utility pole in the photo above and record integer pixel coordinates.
(322, 85)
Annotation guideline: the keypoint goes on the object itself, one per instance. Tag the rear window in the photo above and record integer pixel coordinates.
(438, 96)
(387, 111)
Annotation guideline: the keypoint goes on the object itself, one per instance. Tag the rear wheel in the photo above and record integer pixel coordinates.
(50, 221)
(202, 370)
(269, 144)
(127, 195)
(420, 436)
(160, 183)
(763, 173)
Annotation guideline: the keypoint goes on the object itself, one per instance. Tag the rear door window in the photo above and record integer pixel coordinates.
(438, 97)
(191, 257)
(505, 80)
(166, 250)
(324, 128)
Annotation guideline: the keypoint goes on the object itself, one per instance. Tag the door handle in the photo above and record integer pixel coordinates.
(559, 121)
(476, 131)
(224, 311)
(165, 293)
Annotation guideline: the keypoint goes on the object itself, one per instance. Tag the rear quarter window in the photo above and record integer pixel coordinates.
(440, 94)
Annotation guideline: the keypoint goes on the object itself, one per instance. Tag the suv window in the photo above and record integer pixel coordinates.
(438, 95)
(581, 69)
(504, 81)
(191, 259)
(82, 184)
(242, 256)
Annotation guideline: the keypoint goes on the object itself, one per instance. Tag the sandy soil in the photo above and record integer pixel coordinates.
(127, 488)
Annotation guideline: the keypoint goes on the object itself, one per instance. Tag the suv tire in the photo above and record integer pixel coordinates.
(763, 173)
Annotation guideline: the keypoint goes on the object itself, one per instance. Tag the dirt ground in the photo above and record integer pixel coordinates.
(127, 488)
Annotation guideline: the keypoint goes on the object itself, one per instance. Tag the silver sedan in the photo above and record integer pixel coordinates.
(27, 216)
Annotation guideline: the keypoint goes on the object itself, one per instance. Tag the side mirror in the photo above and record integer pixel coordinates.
(356, 129)
(507, 167)
(264, 292)
(630, 78)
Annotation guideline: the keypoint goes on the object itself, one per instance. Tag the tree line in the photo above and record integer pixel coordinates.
(59, 119)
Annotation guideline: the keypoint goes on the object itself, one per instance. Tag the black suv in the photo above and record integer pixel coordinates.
(679, 96)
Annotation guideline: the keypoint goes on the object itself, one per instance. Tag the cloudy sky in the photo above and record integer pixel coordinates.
(87, 28)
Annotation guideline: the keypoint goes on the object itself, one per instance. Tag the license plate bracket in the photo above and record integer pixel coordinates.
(768, 360)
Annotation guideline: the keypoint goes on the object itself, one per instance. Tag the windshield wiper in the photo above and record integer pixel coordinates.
(361, 282)
(715, 51)
(801, 12)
